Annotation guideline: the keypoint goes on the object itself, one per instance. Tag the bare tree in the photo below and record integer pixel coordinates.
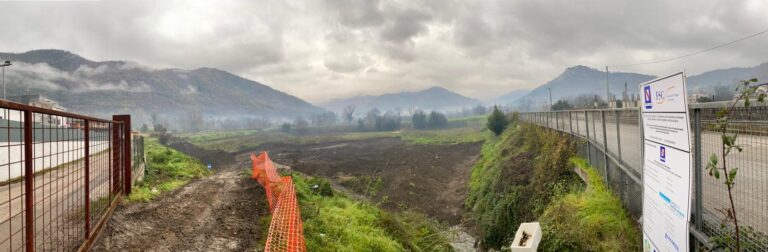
(349, 113)
(196, 121)
(154, 118)
(301, 125)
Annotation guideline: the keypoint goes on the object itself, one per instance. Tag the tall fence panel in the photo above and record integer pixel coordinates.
(59, 177)
(611, 140)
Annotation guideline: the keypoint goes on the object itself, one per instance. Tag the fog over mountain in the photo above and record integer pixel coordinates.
(434, 98)
(113, 87)
(508, 98)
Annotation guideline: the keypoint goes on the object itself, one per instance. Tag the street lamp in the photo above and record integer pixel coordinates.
(5, 64)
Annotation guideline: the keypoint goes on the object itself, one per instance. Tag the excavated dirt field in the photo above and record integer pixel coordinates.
(430, 178)
(221, 212)
(217, 213)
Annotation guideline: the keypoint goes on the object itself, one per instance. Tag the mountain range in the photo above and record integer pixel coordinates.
(434, 98)
(114, 87)
(582, 80)
(103, 88)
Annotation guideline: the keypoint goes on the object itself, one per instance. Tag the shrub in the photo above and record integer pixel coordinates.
(497, 121)
(286, 128)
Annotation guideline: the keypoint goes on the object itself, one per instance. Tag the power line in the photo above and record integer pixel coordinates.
(694, 53)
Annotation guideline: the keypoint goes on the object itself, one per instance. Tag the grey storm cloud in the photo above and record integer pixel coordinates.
(319, 50)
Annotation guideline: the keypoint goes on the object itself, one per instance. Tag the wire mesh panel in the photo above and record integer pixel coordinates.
(623, 168)
(751, 188)
(58, 152)
(611, 132)
(55, 172)
(99, 169)
(12, 194)
(630, 137)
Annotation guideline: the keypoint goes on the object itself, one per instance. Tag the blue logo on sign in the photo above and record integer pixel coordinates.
(647, 95)
(663, 154)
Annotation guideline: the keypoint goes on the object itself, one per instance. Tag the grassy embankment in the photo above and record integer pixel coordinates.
(460, 130)
(525, 175)
(334, 222)
(167, 169)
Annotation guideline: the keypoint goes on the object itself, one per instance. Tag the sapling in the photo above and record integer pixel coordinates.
(729, 143)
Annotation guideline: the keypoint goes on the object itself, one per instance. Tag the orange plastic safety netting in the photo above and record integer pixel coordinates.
(286, 232)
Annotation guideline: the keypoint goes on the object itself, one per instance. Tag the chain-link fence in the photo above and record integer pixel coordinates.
(612, 143)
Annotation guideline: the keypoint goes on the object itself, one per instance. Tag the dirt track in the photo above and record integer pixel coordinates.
(430, 178)
(217, 213)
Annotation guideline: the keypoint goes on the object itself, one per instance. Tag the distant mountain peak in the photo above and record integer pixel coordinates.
(435, 88)
(580, 68)
(432, 98)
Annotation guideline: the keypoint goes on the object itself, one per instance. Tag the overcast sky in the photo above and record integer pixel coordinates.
(322, 49)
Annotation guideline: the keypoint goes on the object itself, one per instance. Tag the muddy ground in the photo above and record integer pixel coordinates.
(217, 213)
(221, 212)
(430, 178)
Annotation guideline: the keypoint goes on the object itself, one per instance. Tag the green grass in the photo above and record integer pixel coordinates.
(526, 175)
(167, 169)
(589, 220)
(234, 141)
(444, 136)
(333, 222)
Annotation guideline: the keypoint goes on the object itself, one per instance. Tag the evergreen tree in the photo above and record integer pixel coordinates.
(437, 120)
(497, 121)
(419, 119)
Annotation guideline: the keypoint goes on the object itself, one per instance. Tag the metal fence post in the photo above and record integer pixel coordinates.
(29, 180)
(605, 148)
(618, 135)
(570, 121)
(87, 142)
(589, 147)
(126, 150)
(115, 153)
(697, 167)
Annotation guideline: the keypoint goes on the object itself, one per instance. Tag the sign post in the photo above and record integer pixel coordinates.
(667, 165)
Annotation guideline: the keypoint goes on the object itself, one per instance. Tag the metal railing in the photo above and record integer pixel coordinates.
(79, 168)
(614, 146)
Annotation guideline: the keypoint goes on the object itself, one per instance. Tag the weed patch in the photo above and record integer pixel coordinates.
(167, 169)
(519, 174)
(333, 222)
(589, 220)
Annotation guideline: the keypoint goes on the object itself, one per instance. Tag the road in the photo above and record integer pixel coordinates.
(59, 204)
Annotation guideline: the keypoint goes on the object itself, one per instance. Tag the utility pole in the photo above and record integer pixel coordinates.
(607, 88)
(550, 99)
(7, 63)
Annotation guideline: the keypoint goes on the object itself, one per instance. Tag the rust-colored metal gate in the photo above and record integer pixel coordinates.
(80, 166)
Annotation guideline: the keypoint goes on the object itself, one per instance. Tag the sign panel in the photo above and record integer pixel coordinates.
(667, 166)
